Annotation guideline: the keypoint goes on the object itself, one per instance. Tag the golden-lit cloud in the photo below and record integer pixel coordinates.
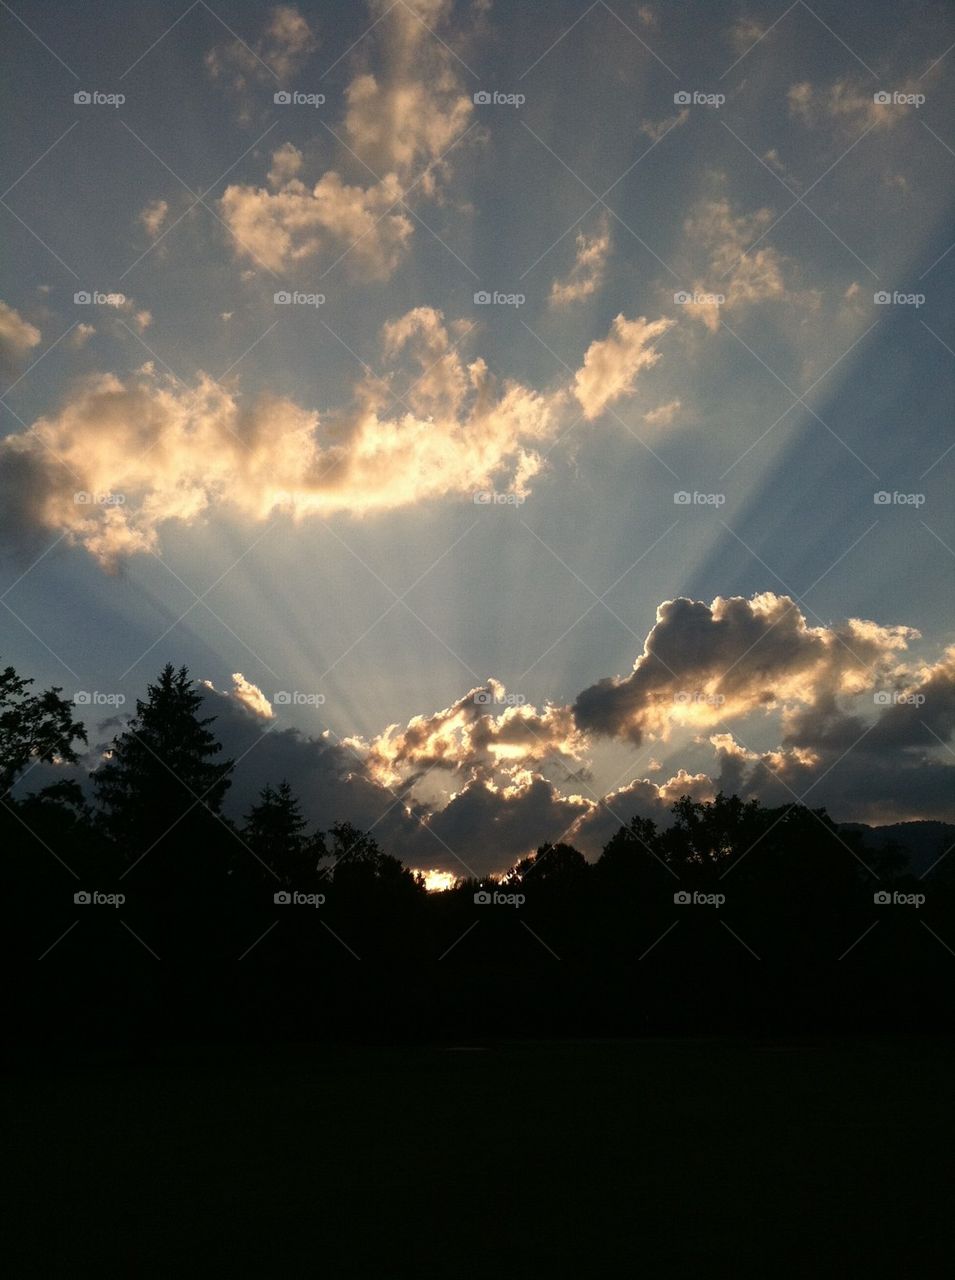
(405, 114)
(611, 364)
(483, 734)
(147, 448)
(656, 129)
(663, 414)
(851, 106)
(17, 338)
(293, 223)
(153, 216)
(587, 274)
(739, 267)
(705, 664)
(251, 696)
(401, 121)
(283, 45)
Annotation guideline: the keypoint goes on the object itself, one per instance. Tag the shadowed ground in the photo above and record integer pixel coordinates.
(687, 1157)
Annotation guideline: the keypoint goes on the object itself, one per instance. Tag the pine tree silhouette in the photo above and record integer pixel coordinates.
(161, 770)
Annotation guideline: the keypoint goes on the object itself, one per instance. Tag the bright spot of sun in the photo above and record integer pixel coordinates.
(439, 881)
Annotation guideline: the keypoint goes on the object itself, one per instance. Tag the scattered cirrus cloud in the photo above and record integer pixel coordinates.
(590, 264)
(280, 50)
(663, 414)
(153, 216)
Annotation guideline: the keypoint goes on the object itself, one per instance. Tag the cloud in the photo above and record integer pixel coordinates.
(891, 768)
(81, 335)
(412, 107)
(611, 364)
(663, 414)
(283, 47)
(705, 664)
(587, 274)
(737, 269)
(17, 339)
(745, 33)
(292, 224)
(147, 448)
(482, 828)
(482, 736)
(850, 106)
(656, 129)
(487, 801)
(153, 216)
(400, 121)
(251, 696)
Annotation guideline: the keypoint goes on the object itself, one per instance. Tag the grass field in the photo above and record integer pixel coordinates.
(656, 1158)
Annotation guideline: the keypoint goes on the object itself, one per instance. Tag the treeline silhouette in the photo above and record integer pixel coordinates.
(187, 924)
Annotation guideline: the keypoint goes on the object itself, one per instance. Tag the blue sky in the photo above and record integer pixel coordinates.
(692, 310)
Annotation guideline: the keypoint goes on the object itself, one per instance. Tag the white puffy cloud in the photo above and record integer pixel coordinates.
(293, 223)
(611, 364)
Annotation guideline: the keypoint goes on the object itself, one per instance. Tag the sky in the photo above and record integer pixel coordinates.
(517, 417)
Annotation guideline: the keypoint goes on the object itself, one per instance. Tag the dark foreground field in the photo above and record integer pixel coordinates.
(656, 1158)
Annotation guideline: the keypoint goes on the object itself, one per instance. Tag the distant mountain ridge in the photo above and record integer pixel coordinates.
(922, 842)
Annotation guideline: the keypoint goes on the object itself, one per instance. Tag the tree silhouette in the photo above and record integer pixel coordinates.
(33, 726)
(162, 767)
(275, 832)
